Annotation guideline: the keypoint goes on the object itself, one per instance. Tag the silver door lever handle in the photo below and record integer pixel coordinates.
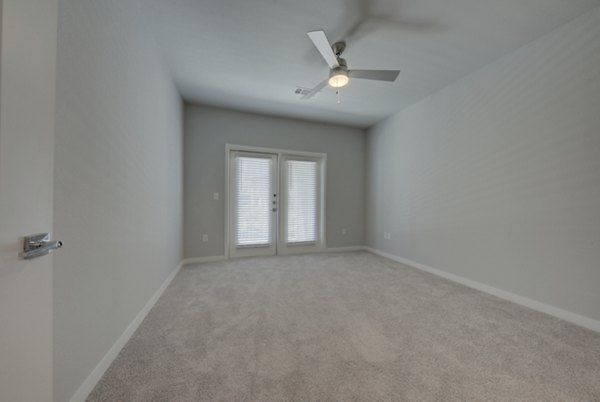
(38, 245)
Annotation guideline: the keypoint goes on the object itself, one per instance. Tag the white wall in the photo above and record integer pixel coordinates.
(208, 129)
(118, 180)
(497, 177)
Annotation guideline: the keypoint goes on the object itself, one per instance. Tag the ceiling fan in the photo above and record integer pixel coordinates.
(339, 74)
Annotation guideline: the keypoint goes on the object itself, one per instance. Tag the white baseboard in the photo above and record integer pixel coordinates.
(574, 318)
(90, 382)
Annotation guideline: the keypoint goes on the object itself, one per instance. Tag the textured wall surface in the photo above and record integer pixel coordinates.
(497, 177)
(207, 130)
(118, 180)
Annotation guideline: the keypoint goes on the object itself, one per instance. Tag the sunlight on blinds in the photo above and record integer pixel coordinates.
(301, 201)
(254, 197)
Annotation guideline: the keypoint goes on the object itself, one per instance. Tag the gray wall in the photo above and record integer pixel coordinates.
(497, 177)
(118, 181)
(208, 129)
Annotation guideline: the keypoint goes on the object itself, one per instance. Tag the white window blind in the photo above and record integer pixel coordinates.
(301, 201)
(253, 204)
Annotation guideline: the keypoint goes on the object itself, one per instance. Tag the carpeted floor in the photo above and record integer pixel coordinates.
(345, 327)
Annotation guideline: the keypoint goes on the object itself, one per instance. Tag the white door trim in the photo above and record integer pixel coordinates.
(280, 152)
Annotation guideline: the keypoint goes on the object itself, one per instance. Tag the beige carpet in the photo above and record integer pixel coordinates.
(345, 327)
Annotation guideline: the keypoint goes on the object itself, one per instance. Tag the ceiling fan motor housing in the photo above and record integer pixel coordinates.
(341, 69)
(338, 48)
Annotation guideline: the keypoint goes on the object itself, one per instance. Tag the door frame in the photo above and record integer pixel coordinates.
(321, 244)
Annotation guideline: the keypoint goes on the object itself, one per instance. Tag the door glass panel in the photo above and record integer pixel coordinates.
(302, 202)
(254, 196)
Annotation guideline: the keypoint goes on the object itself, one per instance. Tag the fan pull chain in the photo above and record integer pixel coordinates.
(339, 98)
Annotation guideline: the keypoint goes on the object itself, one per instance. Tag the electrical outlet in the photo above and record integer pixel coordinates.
(204, 238)
(216, 196)
(344, 232)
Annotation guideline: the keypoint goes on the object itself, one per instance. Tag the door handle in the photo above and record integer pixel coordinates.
(38, 245)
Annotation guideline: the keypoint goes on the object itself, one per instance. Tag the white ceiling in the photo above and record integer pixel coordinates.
(250, 54)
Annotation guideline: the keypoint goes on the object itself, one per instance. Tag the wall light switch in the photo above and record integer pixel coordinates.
(344, 232)
(215, 196)
(204, 238)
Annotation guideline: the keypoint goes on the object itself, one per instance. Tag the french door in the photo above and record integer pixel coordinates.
(275, 203)
(253, 200)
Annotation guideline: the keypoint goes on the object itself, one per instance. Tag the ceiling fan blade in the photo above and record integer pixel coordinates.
(315, 90)
(355, 29)
(322, 44)
(370, 20)
(378, 75)
(363, 17)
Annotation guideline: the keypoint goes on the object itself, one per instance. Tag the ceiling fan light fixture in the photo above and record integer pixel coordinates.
(338, 78)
